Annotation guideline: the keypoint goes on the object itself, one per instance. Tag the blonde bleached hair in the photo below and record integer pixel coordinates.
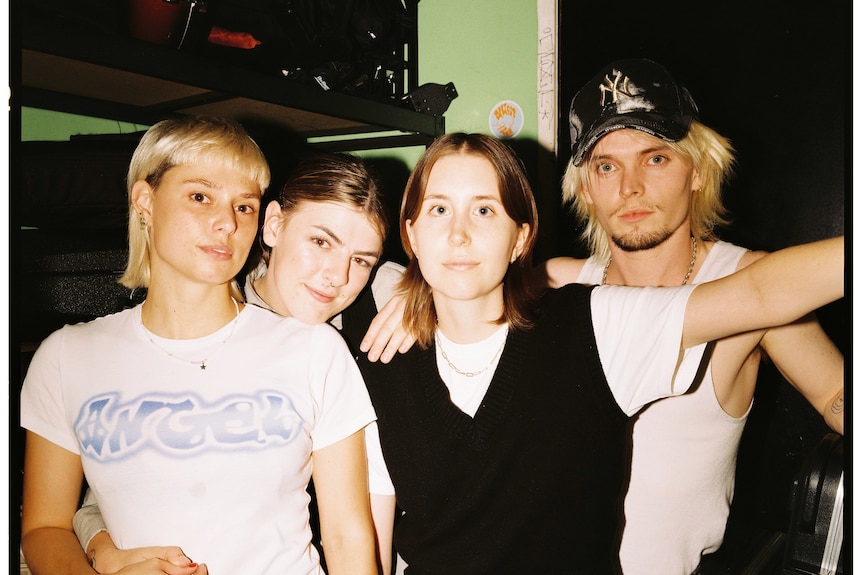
(183, 141)
(710, 153)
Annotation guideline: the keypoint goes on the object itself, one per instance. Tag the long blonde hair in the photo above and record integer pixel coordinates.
(175, 142)
(709, 152)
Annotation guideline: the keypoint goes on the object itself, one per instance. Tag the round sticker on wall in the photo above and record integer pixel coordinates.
(506, 119)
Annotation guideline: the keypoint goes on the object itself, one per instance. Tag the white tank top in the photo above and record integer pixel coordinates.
(683, 463)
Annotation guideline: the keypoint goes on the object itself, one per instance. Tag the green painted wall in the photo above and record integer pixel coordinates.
(487, 48)
(48, 125)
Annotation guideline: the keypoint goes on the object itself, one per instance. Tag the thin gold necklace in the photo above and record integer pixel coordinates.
(687, 274)
(467, 373)
(202, 363)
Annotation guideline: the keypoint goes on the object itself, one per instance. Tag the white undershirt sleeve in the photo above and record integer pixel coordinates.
(379, 481)
(639, 333)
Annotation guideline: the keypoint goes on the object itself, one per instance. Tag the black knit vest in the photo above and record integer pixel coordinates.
(356, 318)
(533, 484)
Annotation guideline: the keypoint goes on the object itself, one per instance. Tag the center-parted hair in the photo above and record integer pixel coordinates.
(520, 296)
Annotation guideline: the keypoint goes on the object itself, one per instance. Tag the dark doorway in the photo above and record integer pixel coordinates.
(775, 78)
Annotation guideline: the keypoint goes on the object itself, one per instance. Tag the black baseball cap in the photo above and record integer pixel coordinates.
(634, 93)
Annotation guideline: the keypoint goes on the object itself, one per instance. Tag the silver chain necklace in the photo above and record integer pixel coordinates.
(687, 274)
(467, 373)
(202, 363)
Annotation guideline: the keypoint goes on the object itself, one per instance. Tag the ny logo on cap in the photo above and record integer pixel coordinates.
(614, 88)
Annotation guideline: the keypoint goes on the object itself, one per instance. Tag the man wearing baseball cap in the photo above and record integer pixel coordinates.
(645, 176)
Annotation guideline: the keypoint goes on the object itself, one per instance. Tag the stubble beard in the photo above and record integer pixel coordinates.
(639, 241)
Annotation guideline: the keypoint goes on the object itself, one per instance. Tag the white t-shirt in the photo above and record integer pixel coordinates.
(216, 461)
(638, 335)
(383, 288)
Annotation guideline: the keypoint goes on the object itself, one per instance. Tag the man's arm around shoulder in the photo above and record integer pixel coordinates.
(557, 272)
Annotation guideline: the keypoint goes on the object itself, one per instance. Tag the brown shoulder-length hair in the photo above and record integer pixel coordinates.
(520, 294)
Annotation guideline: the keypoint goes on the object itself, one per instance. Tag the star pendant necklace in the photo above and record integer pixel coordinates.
(201, 363)
(687, 274)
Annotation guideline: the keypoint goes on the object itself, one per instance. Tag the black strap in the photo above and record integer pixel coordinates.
(356, 318)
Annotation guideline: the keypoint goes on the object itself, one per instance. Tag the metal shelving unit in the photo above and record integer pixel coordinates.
(94, 73)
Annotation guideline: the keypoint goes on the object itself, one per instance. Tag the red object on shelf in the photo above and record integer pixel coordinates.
(232, 39)
(156, 21)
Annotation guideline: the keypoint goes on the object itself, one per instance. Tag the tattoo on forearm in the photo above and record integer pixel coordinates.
(91, 556)
(837, 406)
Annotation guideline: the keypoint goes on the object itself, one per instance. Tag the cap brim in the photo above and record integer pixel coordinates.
(652, 124)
